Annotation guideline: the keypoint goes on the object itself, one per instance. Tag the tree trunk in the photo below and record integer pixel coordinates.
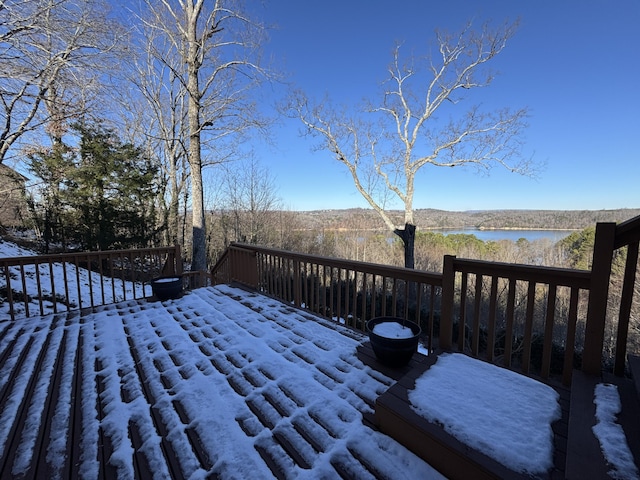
(199, 257)
(408, 236)
(173, 217)
(199, 253)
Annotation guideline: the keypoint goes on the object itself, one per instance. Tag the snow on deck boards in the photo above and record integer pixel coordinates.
(220, 383)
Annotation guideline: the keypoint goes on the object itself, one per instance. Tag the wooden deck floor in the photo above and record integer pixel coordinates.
(76, 404)
(43, 375)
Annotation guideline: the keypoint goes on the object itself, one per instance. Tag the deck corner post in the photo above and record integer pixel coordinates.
(445, 340)
(598, 295)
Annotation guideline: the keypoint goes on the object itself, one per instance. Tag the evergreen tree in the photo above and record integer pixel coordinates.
(111, 190)
(99, 195)
(51, 167)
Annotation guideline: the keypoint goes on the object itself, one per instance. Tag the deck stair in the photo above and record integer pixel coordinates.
(584, 456)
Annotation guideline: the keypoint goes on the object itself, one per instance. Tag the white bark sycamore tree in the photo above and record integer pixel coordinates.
(403, 134)
(219, 47)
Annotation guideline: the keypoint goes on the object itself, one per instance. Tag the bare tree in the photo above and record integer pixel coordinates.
(218, 45)
(49, 51)
(155, 115)
(385, 156)
(249, 203)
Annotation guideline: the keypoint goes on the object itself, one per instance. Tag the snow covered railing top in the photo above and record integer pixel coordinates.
(42, 284)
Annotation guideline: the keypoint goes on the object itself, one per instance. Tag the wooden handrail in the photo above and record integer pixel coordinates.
(531, 273)
(342, 290)
(110, 275)
(627, 233)
(387, 270)
(480, 317)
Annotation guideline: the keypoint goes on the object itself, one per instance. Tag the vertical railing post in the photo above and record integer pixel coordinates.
(445, 341)
(626, 301)
(178, 260)
(297, 287)
(598, 296)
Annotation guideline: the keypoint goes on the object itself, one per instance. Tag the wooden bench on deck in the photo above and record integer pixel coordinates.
(395, 417)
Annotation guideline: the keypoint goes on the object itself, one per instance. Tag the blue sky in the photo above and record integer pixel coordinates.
(574, 64)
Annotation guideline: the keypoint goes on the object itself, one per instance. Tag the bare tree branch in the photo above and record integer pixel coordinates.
(49, 51)
(408, 135)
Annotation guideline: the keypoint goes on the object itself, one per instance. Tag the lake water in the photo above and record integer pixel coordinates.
(513, 235)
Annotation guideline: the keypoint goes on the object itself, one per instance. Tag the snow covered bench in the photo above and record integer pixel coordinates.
(472, 419)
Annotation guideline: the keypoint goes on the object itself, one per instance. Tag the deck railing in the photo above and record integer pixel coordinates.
(612, 309)
(346, 291)
(35, 285)
(541, 320)
(520, 316)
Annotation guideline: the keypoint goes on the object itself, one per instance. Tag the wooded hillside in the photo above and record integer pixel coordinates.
(366, 219)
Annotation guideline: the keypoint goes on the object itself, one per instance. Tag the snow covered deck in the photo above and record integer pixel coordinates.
(218, 384)
(224, 383)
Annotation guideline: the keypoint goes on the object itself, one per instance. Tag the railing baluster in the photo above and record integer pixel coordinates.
(113, 284)
(39, 286)
(374, 296)
(339, 301)
(332, 292)
(548, 331)
(419, 292)
(52, 284)
(626, 301)
(24, 288)
(477, 302)
(491, 327)
(432, 302)
(570, 342)
(528, 327)
(463, 311)
(66, 285)
(363, 316)
(394, 297)
(90, 276)
(101, 273)
(407, 300)
(508, 334)
(303, 297)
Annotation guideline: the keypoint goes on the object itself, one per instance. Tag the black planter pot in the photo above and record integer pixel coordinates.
(393, 352)
(165, 288)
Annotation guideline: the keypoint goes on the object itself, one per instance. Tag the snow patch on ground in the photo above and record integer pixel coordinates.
(65, 284)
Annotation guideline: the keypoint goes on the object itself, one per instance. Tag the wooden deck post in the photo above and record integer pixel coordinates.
(178, 260)
(626, 302)
(445, 340)
(598, 296)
